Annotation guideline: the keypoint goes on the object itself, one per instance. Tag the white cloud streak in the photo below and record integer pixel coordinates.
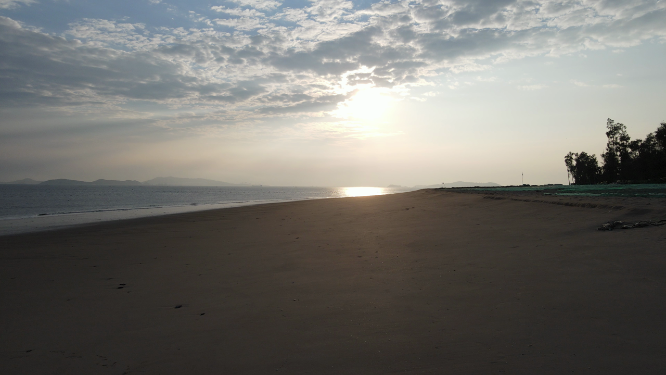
(259, 4)
(8, 4)
(532, 87)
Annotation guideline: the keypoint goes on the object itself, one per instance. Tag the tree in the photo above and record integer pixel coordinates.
(658, 151)
(583, 168)
(623, 160)
(660, 136)
(569, 162)
(617, 151)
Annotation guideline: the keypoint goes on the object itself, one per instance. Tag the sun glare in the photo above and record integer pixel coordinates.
(367, 104)
(362, 191)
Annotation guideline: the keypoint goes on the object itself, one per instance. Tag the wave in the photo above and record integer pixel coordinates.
(201, 206)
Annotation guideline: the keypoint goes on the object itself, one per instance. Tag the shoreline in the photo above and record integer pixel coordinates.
(422, 282)
(56, 221)
(50, 222)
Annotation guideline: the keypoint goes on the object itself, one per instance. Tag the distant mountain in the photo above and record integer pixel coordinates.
(116, 182)
(468, 184)
(179, 181)
(427, 186)
(456, 184)
(159, 181)
(25, 181)
(65, 182)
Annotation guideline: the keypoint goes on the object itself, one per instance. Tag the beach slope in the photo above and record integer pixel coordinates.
(427, 282)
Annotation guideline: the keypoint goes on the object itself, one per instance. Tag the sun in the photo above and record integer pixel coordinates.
(368, 104)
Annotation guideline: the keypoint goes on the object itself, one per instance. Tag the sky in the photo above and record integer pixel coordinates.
(323, 92)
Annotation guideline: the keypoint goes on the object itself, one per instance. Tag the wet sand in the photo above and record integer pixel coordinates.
(423, 282)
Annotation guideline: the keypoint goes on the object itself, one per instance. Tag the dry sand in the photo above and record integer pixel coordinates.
(423, 282)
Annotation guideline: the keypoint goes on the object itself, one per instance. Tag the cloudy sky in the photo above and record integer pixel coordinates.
(323, 92)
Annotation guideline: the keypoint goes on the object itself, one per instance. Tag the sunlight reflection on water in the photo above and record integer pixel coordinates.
(31, 208)
(361, 191)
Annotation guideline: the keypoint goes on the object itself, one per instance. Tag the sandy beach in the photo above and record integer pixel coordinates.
(427, 282)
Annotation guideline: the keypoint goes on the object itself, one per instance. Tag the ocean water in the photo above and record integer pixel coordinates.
(26, 208)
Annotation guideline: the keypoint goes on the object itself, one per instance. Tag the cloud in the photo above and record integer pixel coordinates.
(329, 10)
(386, 8)
(339, 130)
(8, 4)
(242, 23)
(259, 4)
(238, 11)
(532, 87)
(259, 59)
(47, 70)
(308, 104)
(612, 86)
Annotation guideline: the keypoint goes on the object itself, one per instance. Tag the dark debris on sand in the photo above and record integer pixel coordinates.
(623, 225)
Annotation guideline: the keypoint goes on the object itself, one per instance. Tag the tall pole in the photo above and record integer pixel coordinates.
(522, 178)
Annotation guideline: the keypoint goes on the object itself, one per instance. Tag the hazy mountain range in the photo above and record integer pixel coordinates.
(467, 184)
(457, 184)
(159, 181)
(179, 181)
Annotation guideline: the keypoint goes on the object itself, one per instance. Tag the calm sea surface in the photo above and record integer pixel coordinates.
(25, 208)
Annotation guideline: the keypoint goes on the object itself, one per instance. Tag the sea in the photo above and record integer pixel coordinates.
(31, 208)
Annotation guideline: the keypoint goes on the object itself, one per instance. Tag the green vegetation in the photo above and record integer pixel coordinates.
(624, 161)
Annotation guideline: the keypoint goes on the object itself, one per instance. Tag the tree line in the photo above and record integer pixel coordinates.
(624, 160)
